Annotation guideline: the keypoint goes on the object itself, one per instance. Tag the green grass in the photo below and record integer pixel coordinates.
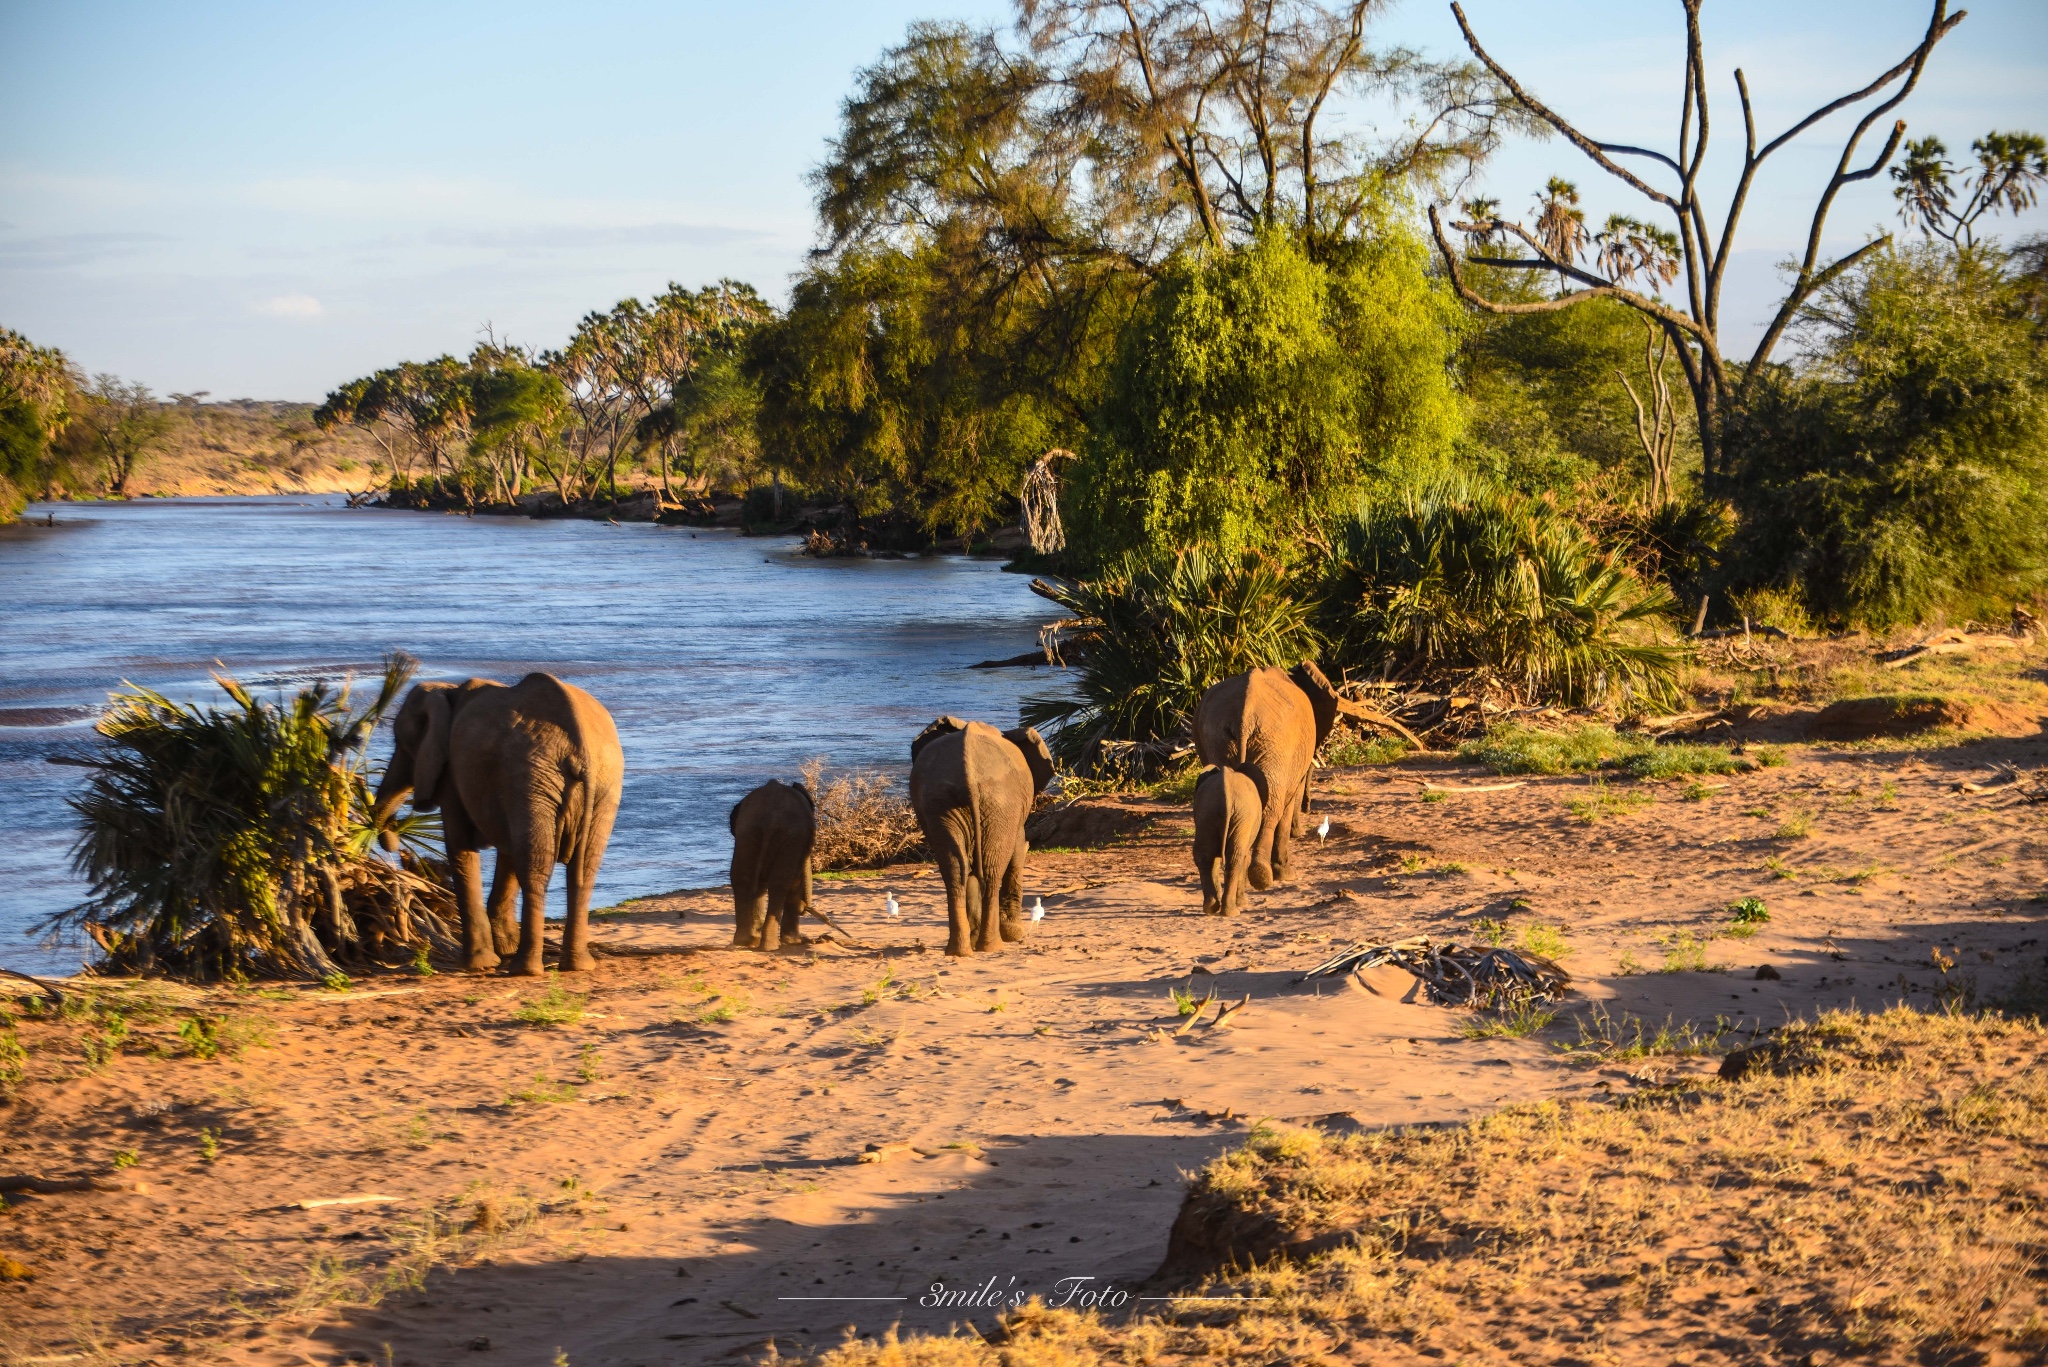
(1185, 1003)
(1607, 802)
(209, 1144)
(125, 1158)
(1602, 1035)
(1673, 761)
(1797, 826)
(1516, 1017)
(541, 1092)
(1778, 868)
(208, 1037)
(1545, 941)
(1684, 952)
(1489, 931)
(1588, 747)
(555, 1006)
(1746, 917)
(1355, 750)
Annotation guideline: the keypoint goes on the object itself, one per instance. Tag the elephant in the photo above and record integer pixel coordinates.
(1227, 817)
(773, 829)
(532, 771)
(971, 787)
(1269, 723)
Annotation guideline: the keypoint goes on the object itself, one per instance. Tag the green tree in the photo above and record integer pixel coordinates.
(517, 410)
(1904, 466)
(123, 425)
(1258, 391)
(38, 398)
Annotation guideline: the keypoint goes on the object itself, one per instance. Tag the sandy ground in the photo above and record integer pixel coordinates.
(655, 1183)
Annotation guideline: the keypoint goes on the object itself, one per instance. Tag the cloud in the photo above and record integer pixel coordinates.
(74, 249)
(288, 306)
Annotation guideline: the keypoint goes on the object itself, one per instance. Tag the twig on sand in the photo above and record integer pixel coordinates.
(362, 1199)
(1196, 1015)
(1228, 1014)
(1429, 787)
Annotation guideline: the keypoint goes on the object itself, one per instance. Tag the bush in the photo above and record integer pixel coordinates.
(222, 842)
(1465, 583)
(1152, 635)
(863, 822)
(1903, 468)
(1582, 749)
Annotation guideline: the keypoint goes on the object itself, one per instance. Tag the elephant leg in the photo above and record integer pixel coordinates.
(1260, 873)
(749, 910)
(1013, 897)
(1212, 904)
(466, 867)
(771, 924)
(504, 926)
(536, 865)
(959, 888)
(576, 955)
(794, 903)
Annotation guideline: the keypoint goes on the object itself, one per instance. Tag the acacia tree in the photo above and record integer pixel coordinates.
(124, 424)
(593, 372)
(1694, 327)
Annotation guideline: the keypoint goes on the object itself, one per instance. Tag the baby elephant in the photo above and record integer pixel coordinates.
(773, 829)
(1227, 815)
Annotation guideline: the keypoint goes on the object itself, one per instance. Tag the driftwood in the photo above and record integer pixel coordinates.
(50, 990)
(46, 1186)
(365, 1199)
(1429, 787)
(1946, 643)
(1229, 1012)
(1030, 659)
(1457, 975)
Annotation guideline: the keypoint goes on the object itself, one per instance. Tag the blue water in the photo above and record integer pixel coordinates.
(724, 660)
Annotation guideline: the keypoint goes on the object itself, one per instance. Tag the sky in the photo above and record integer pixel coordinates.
(266, 200)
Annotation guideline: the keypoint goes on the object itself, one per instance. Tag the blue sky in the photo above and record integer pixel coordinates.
(265, 200)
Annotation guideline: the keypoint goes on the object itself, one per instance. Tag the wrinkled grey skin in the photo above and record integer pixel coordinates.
(1227, 822)
(1269, 724)
(531, 771)
(773, 830)
(971, 787)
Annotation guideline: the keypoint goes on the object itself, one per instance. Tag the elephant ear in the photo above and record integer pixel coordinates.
(944, 726)
(805, 793)
(431, 762)
(1036, 755)
(1322, 698)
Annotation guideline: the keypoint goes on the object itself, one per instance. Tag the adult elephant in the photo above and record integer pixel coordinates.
(531, 771)
(971, 787)
(1269, 723)
(773, 830)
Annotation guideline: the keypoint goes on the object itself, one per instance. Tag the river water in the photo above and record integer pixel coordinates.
(724, 659)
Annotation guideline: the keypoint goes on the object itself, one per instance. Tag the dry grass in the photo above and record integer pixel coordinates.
(1813, 673)
(863, 821)
(1877, 1197)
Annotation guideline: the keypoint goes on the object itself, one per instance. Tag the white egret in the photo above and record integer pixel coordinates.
(1323, 831)
(889, 904)
(1037, 910)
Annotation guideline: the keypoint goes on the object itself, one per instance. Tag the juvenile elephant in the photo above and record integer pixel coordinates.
(532, 771)
(1226, 823)
(773, 830)
(971, 787)
(1269, 723)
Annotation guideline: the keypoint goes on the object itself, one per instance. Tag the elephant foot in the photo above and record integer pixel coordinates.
(1259, 877)
(525, 968)
(482, 961)
(959, 950)
(579, 963)
(1013, 931)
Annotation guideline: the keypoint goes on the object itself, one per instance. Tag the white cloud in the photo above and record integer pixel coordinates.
(288, 306)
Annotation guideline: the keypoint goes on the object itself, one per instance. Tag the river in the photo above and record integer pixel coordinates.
(724, 659)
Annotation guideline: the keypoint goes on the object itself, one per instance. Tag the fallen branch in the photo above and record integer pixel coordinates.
(48, 1186)
(50, 990)
(1189, 1023)
(364, 1199)
(1230, 1012)
(1456, 975)
(1374, 718)
(1429, 787)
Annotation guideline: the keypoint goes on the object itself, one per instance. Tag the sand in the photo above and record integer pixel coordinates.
(656, 1182)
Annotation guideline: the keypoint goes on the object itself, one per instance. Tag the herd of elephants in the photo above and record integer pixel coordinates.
(533, 770)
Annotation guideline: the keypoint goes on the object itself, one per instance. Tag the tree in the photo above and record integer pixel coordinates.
(124, 424)
(516, 410)
(599, 373)
(38, 399)
(2010, 169)
(1694, 329)
(687, 376)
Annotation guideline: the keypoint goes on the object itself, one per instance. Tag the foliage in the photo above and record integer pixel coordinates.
(1150, 635)
(554, 1006)
(222, 842)
(1905, 467)
(1444, 580)
(38, 397)
(119, 425)
(1258, 389)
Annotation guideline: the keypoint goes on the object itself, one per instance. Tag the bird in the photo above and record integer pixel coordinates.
(1037, 910)
(1323, 831)
(889, 904)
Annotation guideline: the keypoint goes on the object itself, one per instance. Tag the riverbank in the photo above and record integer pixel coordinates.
(664, 1160)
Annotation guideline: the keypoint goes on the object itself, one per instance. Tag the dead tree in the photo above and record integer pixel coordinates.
(1694, 329)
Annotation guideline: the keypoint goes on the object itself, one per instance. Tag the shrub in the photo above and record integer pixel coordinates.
(1462, 582)
(1904, 467)
(1152, 635)
(863, 822)
(229, 841)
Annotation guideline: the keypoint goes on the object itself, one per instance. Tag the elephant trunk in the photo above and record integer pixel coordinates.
(391, 791)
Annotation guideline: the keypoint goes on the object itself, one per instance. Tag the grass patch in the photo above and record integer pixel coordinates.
(557, 1005)
(1589, 747)
(1684, 952)
(1185, 1002)
(1675, 761)
(1512, 1017)
(206, 1037)
(1746, 917)
(1797, 826)
(1352, 749)
(729, 1006)
(541, 1091)
(1603, 1036)
(1608, 802)
(1526, 1235)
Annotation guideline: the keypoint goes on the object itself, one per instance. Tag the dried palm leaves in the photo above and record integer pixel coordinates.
(1458, 975)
